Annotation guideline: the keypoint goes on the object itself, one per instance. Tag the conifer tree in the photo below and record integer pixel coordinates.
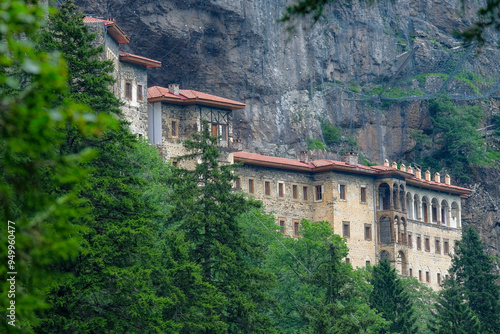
(206, 209)
(453, 314)
(327, 297)
(390, 299)
(89, 76)
(473, 270)
(31, 123)
(129, 276)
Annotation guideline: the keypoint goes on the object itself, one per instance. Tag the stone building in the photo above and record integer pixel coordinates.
(174, 114)
(382, 211)
(130, 72)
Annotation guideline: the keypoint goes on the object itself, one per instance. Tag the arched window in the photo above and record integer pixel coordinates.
(384, 197)
(385, 230)
(416, 207)
(402, 197)
(395, 196)
(455, 215)
(434, 210)
(425, 209)
(409, 207)
(445, 211)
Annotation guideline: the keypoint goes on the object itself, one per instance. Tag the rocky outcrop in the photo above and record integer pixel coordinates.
(332, 70)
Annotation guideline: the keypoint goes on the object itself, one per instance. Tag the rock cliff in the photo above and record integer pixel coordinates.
(333, 71)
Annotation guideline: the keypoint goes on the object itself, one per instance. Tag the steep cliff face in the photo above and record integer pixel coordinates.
(290, 80)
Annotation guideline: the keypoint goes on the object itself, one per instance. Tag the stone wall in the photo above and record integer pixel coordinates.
(354, 213)
(135, 109)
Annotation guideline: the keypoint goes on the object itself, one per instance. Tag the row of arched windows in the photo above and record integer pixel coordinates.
(425, 209)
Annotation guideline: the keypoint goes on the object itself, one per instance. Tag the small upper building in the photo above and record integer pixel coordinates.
(174, 114)
(130, 72)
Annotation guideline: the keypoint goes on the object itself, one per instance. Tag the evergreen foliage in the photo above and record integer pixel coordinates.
(31, 165)
(89, 75)
(207, 211)
(453, 314)
(424, 300)
(453, 141)
(328, 297)
(128, 276)
(472, 269)
(391, 299)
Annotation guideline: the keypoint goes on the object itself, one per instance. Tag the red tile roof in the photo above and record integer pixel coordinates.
(324, 164)
(88, 19)
(189, 97)
(113, 29)
(134, 59)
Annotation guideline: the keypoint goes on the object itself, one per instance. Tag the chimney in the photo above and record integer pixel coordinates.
(447, 179)
(303, 156)
(386, 163)
(403, 167)
(173, 88)
(410, 170)
(352, 158)
(418, 173)
(427, 175)
(394, 165)
(437, 177)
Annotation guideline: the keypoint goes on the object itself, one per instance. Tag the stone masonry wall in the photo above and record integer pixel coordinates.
(135, 110)
(354, 217)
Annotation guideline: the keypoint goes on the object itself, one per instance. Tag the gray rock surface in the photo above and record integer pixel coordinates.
(292, 79)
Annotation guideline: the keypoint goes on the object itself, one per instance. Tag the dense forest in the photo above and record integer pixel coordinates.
(98, 235)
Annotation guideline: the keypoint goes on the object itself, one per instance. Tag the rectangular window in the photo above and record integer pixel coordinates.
(250, 186)
(342, 191)
(427, 244)
(175, 163)
(446, 247)
(139, 93)
(439, 278)
(319, 194)
(420, 275)
(173, 128)
(294, 191)
(304, 193)
(238, 183)
(427, 277)
(346, 229)
(223, 129)
(215, 129)
(128, 91)
(419, 242)
(438, 246)
(347, 260)
(368, 263)
(280, 190)
(267, 188)
(363, 195)
(410, 241)
(282, 226)
(296, 228)
(368, 232)
(410, 272)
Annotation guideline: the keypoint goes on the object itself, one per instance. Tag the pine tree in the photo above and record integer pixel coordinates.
(89, 77)
(390, 298)
(207, 210)
(473, 270)
(327, 297)
(31, 166)
(453, 314)
(129, 276)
